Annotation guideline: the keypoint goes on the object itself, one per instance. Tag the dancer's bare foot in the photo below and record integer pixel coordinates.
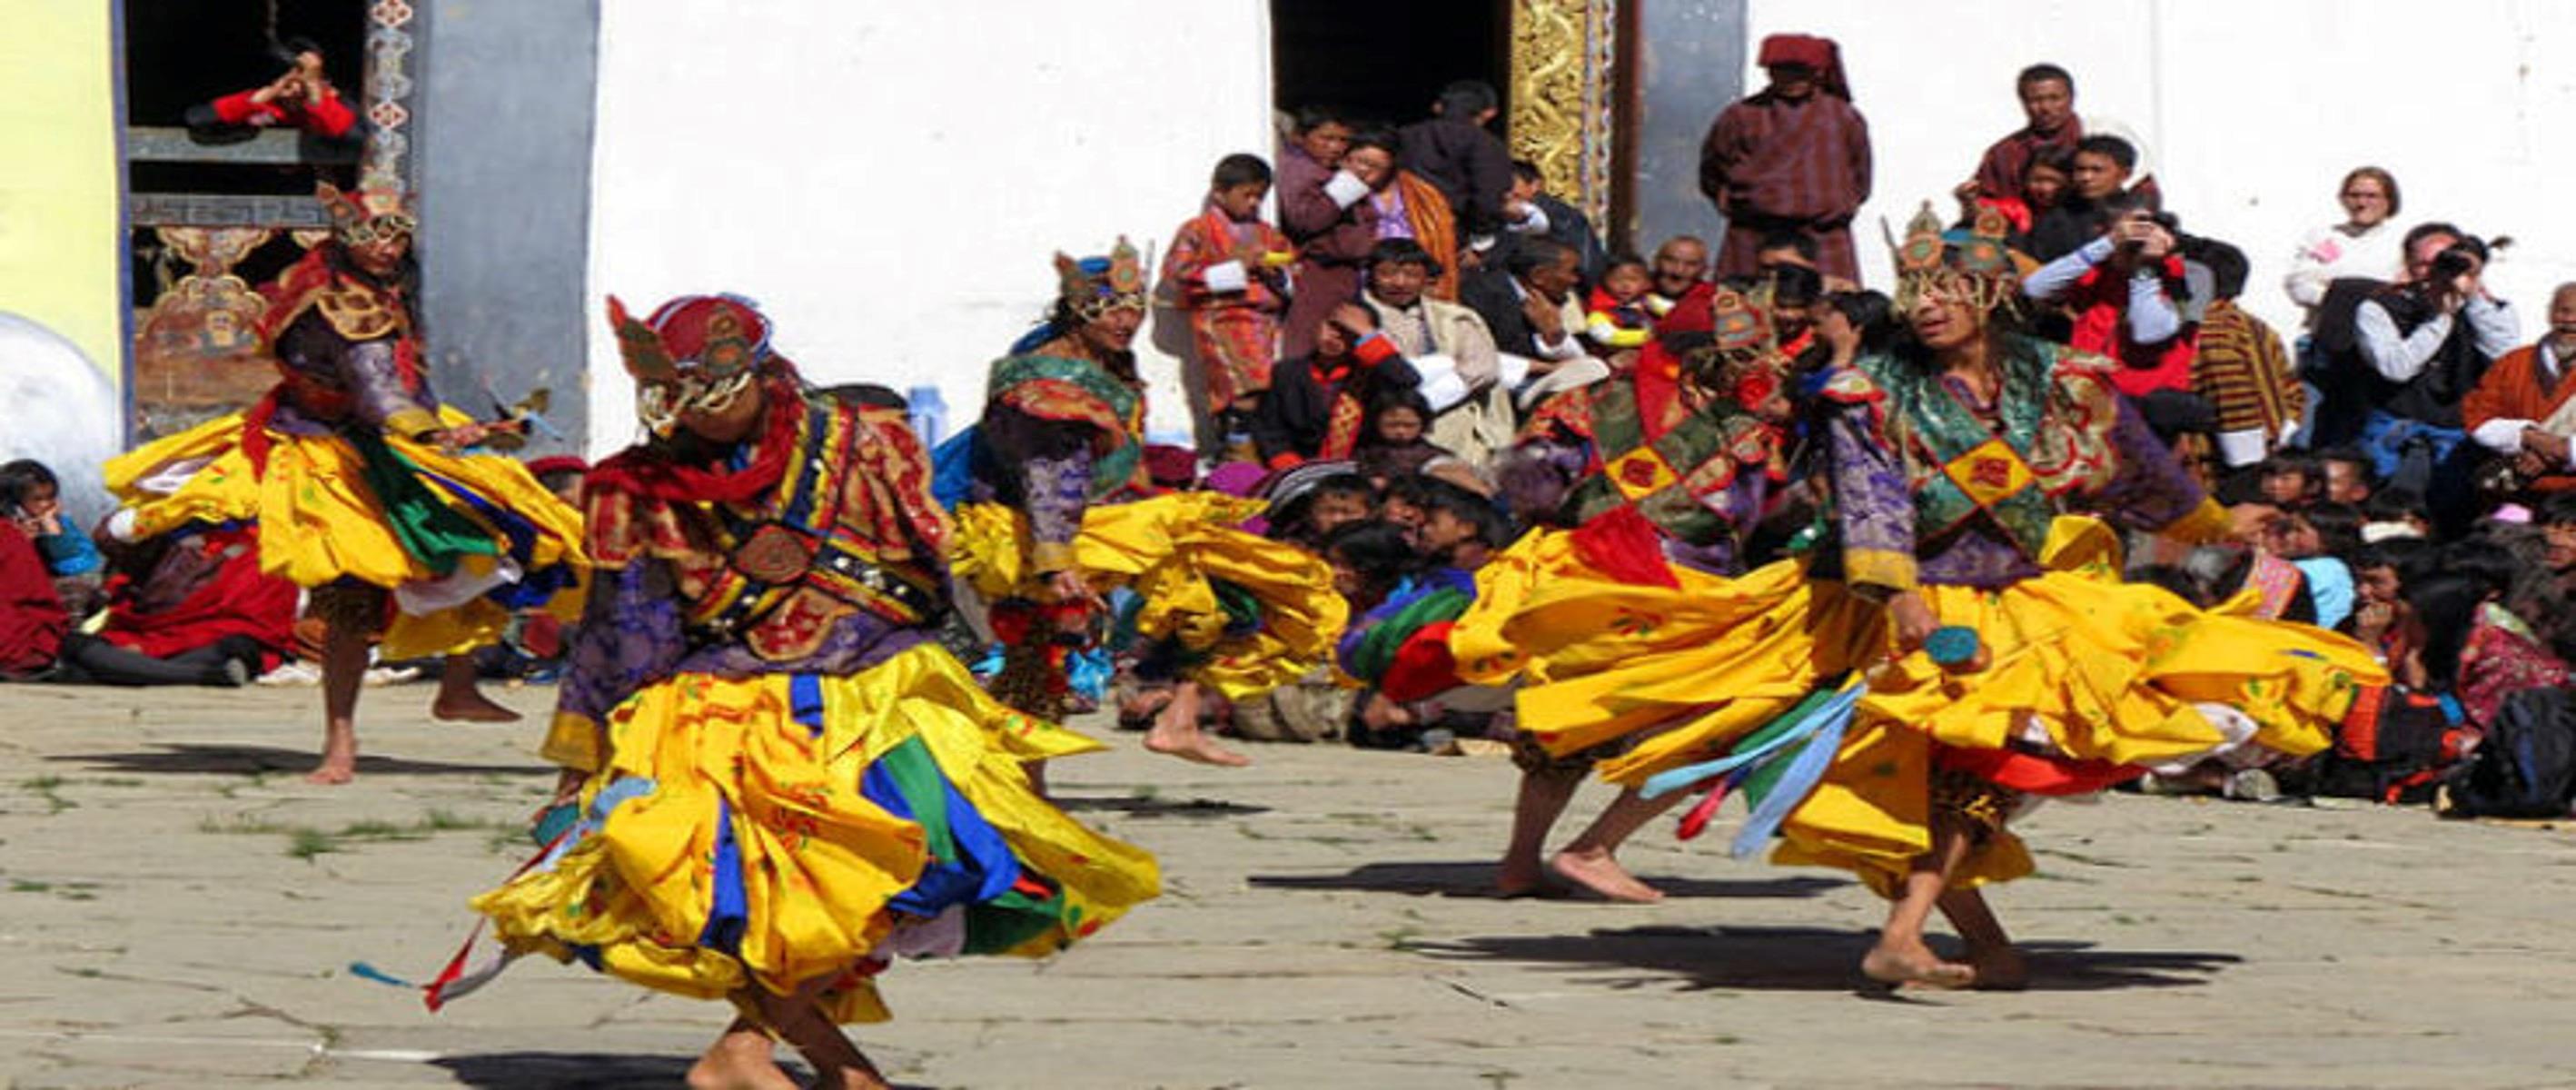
(1177, 733)
(1600, 872)
(1524, 878)
(1914, 963)
(471, 707)
(742, 1059)
(1998, 968)
(339, 759)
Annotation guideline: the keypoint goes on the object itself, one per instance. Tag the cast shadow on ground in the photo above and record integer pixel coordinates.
(187, 757)
(1809, 959)
(584, 1071)
(1448, 878)
(1134, 806)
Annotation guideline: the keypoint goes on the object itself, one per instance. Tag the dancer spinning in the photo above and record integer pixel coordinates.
(782, 778)
(2020, 664)
(355, 475)
(1065, 514)
(1681, 457)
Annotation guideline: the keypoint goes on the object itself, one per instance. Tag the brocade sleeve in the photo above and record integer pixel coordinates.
(2150, 490)
(1873, 507)
(630, 637)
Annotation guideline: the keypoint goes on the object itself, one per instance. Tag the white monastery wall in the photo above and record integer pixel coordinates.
(890, 180)
(2255, 111)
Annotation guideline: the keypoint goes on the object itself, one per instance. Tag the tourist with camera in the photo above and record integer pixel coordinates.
(2426, 340)
(2120, 291)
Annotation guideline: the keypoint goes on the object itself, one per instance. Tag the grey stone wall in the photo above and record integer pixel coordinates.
(504, 143)
(1691, 58)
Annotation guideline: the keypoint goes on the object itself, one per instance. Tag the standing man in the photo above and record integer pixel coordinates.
(1793, 157)
(2048, 101)
(1459, 155)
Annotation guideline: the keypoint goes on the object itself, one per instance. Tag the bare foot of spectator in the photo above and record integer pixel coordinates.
(1600, 872)
(743, 1059)
(1900, 963)
(1177, 733)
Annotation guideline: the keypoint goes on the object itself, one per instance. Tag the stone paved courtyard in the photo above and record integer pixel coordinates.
(181, 910)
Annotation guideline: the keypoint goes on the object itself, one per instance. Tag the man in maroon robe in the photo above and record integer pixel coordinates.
(2048, 100)
(1794, 157)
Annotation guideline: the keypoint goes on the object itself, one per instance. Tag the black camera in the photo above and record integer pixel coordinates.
(2451, 264)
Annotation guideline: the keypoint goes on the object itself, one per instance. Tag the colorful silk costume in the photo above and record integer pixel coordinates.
(788, 778)
(340, 467)
(1058, 485)
(2078, 680)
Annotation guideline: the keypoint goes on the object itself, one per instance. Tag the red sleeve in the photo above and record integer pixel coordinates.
(330, 117)
(32, 619)
(1376, 348)
(238, 109)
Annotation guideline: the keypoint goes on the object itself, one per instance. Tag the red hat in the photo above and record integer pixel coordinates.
(1807, 50)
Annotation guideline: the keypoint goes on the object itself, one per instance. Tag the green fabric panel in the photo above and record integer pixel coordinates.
(1377, 647)
(432, 532)
(916, 775)
(1015, 917)
(1109, 472)
(1947, 429)
(1766, 774)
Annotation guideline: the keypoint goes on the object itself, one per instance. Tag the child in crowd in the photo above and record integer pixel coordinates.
(31, 495)
(1394, 442)
(1615, 317)
(2293, 480)
(1228, 270)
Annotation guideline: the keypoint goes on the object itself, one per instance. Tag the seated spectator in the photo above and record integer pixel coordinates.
(2102, 166)
(188, 608)
(2424, 343)
(1456, 152)
(31, 496)
(301, 98)
(1795, 250)
(1681, 264)
(2391, 515)
(2524, 407)
(1615, 317)
(1307, 511)
(1316, 406)
(2461, 640)
(2348, 477)
(2120, 290)
(1448, 346)
(1395, 443)
(2364, 246)
(1529, 210)
(1370, 559)
(2293, 480)
(32, 619)
(1530, 307)
(2239, 364)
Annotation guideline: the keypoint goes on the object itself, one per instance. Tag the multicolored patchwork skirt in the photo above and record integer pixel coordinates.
(781, 830)
(470, 539)
(2082, 674)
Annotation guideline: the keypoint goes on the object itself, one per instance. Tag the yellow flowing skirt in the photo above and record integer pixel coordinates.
(762, 806)
(2079, 663)
(321, 523)
(1172, 551)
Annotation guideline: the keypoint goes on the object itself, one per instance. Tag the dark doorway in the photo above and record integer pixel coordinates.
(1386, 61)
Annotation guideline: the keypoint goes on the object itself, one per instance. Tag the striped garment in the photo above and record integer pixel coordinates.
(2244, 372)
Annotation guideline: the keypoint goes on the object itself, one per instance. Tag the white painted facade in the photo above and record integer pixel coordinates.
(2255, 111)
(890, 181)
